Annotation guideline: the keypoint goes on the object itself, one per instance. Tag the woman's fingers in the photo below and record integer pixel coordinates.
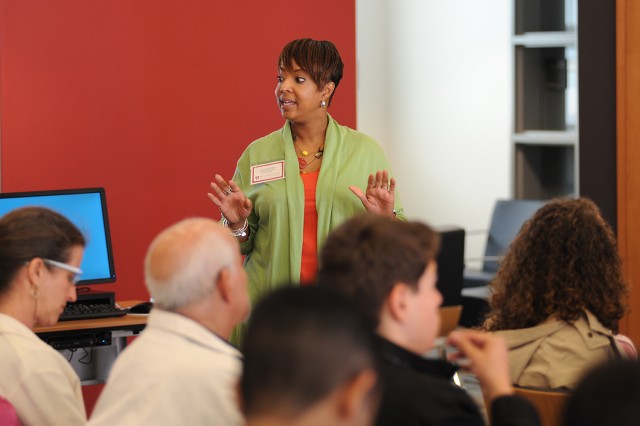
(358, 193)
(380, 183)
(385, 180)
(223, 188)
(392, 186)
(216, 195)
(380, 180)
(247, 205)
(215, 200)
(371, 182)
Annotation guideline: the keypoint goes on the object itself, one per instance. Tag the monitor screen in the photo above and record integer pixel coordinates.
(87, 209)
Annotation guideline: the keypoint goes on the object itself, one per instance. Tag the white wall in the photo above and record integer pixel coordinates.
(435, 88)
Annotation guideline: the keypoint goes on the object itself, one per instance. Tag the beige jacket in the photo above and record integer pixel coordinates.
(556, 354)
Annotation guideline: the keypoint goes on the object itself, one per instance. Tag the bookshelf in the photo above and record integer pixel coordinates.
(545, 133)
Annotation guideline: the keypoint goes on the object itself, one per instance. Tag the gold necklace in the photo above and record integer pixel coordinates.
(302, 163)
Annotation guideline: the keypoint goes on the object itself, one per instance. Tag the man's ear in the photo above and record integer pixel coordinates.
(357, 397)
(396, 301)
(224, 285)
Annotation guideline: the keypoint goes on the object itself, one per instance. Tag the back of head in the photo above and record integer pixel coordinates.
(607, 395)
(369, 254)
(302, 343)
(563, 261)
(320, 59)
(31, 232)
(184, 260)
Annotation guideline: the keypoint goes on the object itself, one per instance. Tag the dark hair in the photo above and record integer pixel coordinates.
(301, 343)
(320, 59)
(30, 232)
(369, 254)
(607, 395)
(563, 261)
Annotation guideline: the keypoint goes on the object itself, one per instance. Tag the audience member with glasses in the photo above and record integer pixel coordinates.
(40, 255)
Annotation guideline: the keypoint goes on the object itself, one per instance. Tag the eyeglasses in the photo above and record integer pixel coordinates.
(76, 271)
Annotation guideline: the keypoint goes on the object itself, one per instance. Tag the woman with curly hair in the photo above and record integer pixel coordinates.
(558, 296)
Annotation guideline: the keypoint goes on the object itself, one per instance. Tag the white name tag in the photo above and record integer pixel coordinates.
(267, 172)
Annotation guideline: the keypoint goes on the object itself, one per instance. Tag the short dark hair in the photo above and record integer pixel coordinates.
(607, 395)
(301, 343)
(320, 59)
(368, 255)
(30, 232)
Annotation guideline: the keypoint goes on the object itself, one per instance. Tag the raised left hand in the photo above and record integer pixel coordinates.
(380, 196)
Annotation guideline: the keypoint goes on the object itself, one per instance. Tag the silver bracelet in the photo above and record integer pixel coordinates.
(238, 233)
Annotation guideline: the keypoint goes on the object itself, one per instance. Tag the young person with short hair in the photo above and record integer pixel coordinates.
(309, 360)
(388, 269)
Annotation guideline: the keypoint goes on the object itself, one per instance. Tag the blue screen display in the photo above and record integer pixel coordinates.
(85, 210)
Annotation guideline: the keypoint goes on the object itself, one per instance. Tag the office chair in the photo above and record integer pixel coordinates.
(550, 403)
(449, 318)
(506, 221)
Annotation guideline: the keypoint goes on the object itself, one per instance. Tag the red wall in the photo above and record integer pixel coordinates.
(148, 98)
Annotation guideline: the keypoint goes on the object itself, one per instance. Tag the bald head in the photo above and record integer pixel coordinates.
(184, 261)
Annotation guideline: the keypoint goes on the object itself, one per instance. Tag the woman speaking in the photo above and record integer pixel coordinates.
(292, 187)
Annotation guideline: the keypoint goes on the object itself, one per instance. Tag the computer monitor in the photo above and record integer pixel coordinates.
(87, 209)
(450, 264)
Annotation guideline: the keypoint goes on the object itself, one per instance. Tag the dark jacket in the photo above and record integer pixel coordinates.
(419, 391)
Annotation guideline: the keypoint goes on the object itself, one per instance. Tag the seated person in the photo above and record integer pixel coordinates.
(181, 370)
(309, 360)
(558, 295)
(40, 256)
(607, 395)
(388, 269)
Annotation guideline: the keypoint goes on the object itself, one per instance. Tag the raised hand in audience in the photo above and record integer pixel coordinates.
(487, 359)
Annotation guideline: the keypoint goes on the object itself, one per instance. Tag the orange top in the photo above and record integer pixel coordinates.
(309, 265)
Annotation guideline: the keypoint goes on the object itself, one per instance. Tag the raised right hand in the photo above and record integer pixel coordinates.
(231, 201)
(489, 360)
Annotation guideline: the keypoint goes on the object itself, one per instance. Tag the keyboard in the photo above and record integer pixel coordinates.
(78, 311)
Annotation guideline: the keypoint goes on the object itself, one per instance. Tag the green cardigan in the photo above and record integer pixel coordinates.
(274, 248)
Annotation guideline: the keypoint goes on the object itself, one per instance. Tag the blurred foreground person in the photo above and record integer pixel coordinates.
(388, 269)
(608, 395)
(308, 361)
(182, 370)
(40, 256)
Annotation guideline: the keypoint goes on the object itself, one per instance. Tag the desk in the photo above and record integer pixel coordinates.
(92, 364)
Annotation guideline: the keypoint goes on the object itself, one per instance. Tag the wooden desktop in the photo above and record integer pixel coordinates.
(93, 363)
